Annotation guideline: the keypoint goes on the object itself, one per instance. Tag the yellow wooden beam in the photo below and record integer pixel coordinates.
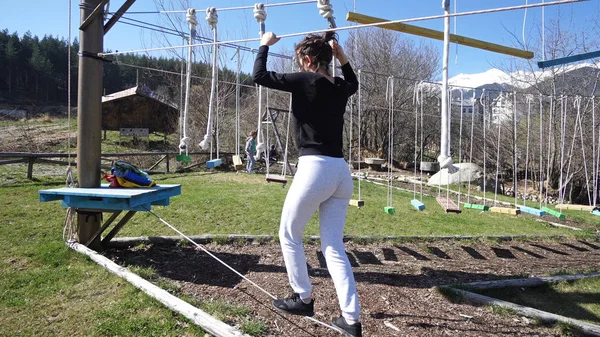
(438, 35)
(505, 210)
(575, 207)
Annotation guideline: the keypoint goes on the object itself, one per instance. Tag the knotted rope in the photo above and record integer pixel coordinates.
(212, 18)
(191, 19)
(325, 9)
(259, 13)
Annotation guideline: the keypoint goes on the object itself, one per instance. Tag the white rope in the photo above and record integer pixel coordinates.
(212, 20)
(523, 30)
(550, 138)
(190, 17)
(325, 9)
(259, 12)
(287, 138)
(563, 113)
(484, 103)
(516, 163)
(267, 122)
(237, 104)
(572, 150)
(596, 153)
(577, 104)
(192, 22)
(416, 105)
(498, 154)
(359, 128)
(432, 17)
(390, 98)
(529, 99)
(267, 5)
(541, 186)
(421, 150)
(201, 247)
(471, 147)
(460, 128)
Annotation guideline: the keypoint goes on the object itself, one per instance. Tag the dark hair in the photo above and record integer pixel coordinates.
(317, 48)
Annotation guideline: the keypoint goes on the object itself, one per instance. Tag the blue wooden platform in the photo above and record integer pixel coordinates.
(532, 210)
(112, 199)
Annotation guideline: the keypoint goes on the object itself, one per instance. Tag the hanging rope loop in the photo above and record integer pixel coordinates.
(212, 18)
(325, 9)
(191, 19)
(259, 13)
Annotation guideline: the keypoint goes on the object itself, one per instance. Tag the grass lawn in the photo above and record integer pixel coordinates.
(47, 289)
(578, 299)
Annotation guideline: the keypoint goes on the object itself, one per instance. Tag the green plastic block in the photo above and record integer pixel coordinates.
(476, 206)
(183, 158)
(389, 210)
(553, 212)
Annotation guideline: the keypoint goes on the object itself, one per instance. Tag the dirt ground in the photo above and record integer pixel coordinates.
(394, 282)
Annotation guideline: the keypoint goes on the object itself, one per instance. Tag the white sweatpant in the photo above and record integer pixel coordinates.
(325, 183)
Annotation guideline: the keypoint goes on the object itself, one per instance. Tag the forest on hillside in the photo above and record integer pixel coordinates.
(36, 70)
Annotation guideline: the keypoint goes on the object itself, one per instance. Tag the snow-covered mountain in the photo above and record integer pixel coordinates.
(519, 79)
(478, 80)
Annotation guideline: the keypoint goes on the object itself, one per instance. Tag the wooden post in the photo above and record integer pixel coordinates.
(168, 163)
(89, 113)
(30, 162)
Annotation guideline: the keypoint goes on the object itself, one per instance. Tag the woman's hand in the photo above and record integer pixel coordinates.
(269, 39)
(338, 52)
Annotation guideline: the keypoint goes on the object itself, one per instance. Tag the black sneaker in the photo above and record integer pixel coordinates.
(349, 330)
(294, 305)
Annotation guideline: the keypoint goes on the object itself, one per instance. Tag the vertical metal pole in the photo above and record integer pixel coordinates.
(89, 114)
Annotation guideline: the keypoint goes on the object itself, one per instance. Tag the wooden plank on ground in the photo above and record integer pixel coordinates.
(447, 204)
(210, 324)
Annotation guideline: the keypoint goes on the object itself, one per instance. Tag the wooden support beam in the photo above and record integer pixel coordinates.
(568, 59)
(117, 15)
(438, 35)
(208, 323)
(97, 11)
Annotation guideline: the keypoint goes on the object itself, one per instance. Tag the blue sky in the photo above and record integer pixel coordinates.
(50, 17)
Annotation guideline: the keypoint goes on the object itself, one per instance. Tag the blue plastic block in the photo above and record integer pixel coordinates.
(214, 163)
(417, 204)
(596, 213)
(532, 210)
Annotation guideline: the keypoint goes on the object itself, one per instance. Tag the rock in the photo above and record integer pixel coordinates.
(466, 172)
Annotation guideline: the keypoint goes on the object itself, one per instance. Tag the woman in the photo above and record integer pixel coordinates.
(323, 180)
